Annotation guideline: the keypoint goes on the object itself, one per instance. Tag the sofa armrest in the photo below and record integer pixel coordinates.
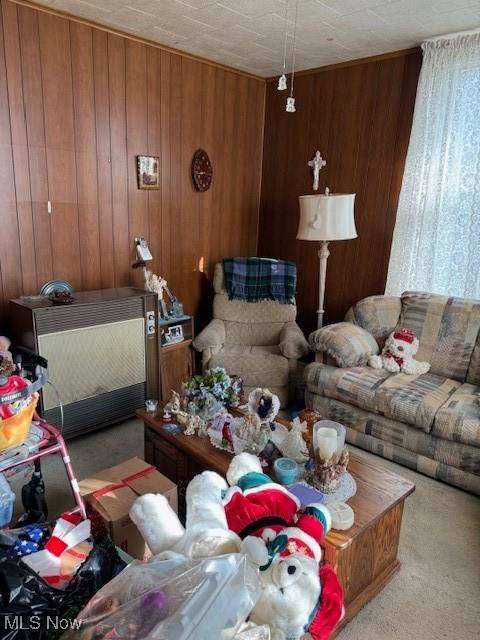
(292, 341)
(211, 337)
(348, 344)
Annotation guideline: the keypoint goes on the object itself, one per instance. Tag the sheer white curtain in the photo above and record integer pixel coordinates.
(436, 242)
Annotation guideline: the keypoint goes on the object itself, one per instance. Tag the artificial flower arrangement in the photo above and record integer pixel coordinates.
(209, 393)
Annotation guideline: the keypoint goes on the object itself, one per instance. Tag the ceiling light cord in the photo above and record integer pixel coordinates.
(294, 46)
(290, 107)
(282, 81)
(285, 37)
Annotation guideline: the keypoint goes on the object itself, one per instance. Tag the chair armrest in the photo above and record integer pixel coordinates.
(348, 344)
(211, 337)
(292, 341)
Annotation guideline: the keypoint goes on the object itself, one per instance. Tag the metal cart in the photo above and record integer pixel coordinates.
(51, 440)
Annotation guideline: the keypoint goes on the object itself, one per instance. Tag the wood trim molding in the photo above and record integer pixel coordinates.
(136, 38)
(351, 63)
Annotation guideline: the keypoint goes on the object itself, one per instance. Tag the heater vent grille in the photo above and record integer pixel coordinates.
(102, 410)
(93, 360)
(75, 316)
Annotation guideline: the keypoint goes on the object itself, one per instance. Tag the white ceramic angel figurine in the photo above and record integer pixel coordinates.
(293, 445)
(194, 423)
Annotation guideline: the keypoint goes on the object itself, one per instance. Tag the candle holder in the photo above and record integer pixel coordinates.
(330, 454)
(310, 416)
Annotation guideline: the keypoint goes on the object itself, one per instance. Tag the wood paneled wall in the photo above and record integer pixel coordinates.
(359, 116)
(77, 104)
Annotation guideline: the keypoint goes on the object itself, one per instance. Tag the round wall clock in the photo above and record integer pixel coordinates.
(202, 171)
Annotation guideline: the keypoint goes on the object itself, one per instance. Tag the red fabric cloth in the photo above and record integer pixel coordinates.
(56, 546)
(269, 501)
(330, 611)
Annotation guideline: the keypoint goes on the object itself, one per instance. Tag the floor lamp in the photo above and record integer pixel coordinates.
(323, 218)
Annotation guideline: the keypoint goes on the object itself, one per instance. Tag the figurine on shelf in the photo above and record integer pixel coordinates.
(293, 445)
(249, 427)
(174, 403)
(251, 434)
(194, 423)
(155, 284)
(264, 403)
(174, 407)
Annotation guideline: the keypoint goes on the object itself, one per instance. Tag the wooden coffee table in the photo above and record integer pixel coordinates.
(365, 556)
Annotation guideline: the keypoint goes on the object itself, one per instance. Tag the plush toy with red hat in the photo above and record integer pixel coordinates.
(397, 354)
(262, 519)
(299, 593)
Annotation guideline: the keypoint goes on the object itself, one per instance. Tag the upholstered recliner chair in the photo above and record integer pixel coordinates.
(258, 341)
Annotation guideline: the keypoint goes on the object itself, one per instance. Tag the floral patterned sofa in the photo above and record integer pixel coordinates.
(429, 422)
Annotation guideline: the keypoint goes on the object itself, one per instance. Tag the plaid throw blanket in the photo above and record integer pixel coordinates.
(254, 279)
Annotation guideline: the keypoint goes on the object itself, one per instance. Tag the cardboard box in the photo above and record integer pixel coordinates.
(113, 491)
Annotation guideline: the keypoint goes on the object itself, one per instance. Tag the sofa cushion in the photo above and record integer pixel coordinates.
(447, 329)
(473, 373)
(459, 418)
(356, 386)
(376, 314)
(257, 366)
(452, 462)
(254, 334)
(410, 399)
(348, 344)
(413, 400)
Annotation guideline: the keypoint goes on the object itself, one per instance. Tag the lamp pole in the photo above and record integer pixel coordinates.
(323, 257)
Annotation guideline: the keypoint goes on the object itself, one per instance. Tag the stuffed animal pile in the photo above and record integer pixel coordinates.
(258, 517)
(397, 354)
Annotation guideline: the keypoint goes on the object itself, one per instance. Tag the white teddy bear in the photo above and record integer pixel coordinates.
(260, 518)
(397, 354)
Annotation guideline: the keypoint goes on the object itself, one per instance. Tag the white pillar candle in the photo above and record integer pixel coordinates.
(325, 441)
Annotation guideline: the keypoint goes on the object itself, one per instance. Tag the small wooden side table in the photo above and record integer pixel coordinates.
(364, 557)
(177, 362)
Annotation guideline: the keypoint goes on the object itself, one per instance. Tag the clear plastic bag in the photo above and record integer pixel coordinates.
(172, 597)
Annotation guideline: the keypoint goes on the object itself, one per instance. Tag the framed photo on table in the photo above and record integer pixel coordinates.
(148, 172)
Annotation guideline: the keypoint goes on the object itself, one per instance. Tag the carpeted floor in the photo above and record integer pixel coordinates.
(435, 595)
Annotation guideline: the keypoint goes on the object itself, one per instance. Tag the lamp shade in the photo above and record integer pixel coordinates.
(327, 217)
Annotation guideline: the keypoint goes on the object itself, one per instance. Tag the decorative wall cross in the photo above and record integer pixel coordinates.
(316, 163)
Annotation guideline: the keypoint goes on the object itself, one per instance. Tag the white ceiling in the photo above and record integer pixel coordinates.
(249, 34)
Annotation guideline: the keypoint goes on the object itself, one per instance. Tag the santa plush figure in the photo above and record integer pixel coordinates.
(260, 518)
(397, 354)
(299, 593)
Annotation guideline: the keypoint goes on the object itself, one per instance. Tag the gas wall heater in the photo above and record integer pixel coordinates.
(102, 352)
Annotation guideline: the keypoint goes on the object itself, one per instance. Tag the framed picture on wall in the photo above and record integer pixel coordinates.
(148, 172)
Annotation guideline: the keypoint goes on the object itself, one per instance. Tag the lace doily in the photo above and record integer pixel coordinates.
(346, 490)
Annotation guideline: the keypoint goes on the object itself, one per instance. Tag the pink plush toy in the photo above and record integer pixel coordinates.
(397, 354)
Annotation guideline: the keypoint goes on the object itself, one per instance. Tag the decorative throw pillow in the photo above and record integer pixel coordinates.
(348, 344)
(446, 328)
(376, 314)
